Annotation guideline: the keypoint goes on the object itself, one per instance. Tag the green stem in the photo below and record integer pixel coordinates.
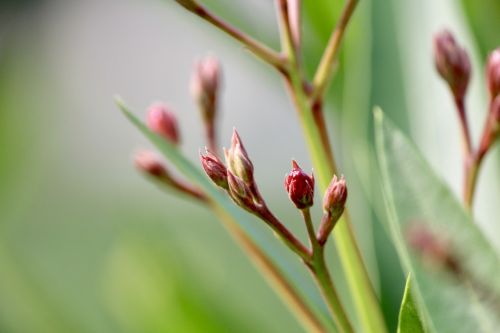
(324, 72)
(365, 300)
(320, 272)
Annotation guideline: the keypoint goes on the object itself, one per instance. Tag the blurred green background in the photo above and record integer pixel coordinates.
(88, 245)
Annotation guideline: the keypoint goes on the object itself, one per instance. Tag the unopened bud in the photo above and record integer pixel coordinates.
(493, 73)
(300, 187)
(205, 86)
(239, 191)
(452, 63)
(238, 161)
(162, 121)
(150, 164)
(335, 197)
(215, 169)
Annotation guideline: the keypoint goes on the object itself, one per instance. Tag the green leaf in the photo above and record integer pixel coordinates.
(289, 265)
(409, 318)
(463, 300)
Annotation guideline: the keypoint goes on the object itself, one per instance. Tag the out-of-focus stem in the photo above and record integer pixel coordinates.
(475, 158)
(464, 126)
(324, 72)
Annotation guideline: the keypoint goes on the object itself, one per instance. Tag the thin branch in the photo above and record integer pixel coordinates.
(474, 161)
(286, 235)
(274, 276)
(286, 34)
(324, 72)
(464, 125)
(320, 272)
(260, 50)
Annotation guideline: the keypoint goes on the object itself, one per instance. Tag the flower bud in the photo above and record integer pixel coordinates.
(163, 122)
(150, 164)
(238, 161)
(452, 63)
(239, 191)
(335, 197)
(205, 87)
(493, 73)
(215, 169)
(300, 187)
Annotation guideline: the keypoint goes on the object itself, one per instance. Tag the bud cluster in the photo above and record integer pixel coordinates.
(453, 64)
(237, 178)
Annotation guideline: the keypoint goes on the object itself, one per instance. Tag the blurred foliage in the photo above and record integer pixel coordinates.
(453, 267)
(74, 259)
(483, 17)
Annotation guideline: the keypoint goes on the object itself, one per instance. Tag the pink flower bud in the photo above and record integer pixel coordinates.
(205, 86)
(335, 197)
(300, 187)
(215, 169)
(452, 63)
(238, 161)
(162, 121)
(149, 163)
(493, 73)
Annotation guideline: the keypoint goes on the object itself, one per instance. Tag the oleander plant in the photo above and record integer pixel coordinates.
(451, 267)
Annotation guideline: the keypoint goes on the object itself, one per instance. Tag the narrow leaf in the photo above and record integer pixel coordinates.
(455, 270)
(409, 318)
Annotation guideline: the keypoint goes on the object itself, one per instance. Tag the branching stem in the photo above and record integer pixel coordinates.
(260, 50)
(324, 72)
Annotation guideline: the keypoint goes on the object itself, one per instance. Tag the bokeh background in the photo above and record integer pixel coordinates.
(88, 245)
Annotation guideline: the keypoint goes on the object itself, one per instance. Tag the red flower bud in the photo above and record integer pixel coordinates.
(215, 169)
(335, 197)
(163, 122)
(452, 63)
(149, 163)
(205, 86)
(300, 187)
(493, 73)
(238, 161)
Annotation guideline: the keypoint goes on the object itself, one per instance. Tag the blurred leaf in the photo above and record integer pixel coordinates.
(409, 318)
(269, 245)
(483, 17)
(146, 293)
(449, 301)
